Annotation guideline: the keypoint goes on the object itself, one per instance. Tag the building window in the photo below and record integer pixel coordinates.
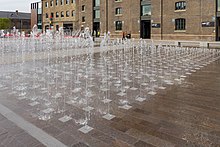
(83, 19)
(57, 14)
(39, 5)
(96, 3)
(57, 1)
(67, 13)
(218, 9)
(97, 14)
(73, 1)
(180, 5)
(51, 15)
(73, 13)
(146, 10)
(118, 25)
(62, 14)
(39, 11)
(46, 4)
(118, 11)
(118, 0)
(67, 2)
(51, 3)
(61, 2)
(83, 7)
(180, 24)
(46, 15)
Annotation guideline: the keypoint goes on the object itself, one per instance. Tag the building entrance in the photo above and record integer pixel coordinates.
(145, 29)
(96, 29)
(68, 27)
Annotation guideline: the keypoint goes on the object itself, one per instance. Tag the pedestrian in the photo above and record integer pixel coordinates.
(123, 35)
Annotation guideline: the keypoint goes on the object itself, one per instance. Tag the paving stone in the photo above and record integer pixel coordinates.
(26, 139)
(52, 130)
(142, 144)
(67, 139)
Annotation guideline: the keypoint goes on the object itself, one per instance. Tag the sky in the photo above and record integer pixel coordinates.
(20, 5)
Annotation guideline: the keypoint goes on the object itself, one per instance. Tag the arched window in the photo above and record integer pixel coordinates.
(67, 13)
(62, 14)
(57, 14)
(180, 24)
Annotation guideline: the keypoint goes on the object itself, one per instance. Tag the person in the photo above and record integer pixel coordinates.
(109, 33)
(123, 35)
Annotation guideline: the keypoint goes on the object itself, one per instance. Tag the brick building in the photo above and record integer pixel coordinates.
(156, 19)
(59, 13)
(184, 19)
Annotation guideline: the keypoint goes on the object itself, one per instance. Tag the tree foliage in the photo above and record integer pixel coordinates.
(5, 23)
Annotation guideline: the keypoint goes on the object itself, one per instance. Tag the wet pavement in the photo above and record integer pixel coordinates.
(182, 115)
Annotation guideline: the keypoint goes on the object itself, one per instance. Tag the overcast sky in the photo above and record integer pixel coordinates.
(20, 5)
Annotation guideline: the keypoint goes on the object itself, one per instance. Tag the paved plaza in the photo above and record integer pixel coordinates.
(185, 114)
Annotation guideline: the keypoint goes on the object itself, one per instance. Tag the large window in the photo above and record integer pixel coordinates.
(39, 18)
(118, 25)
(180, 5)
(97, 14)
(96, 3)
(61, 2)
(118, 11)
(146, 10)
(57, 1)
(67, 2)
(180, 24)
(46, 15)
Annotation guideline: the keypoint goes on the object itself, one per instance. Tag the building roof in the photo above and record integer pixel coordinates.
(15, 15)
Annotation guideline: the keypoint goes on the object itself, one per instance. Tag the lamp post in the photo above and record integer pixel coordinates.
(20, 20)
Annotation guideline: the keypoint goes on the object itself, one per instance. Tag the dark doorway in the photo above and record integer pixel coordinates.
(96, 29)
(68, 27)
(145, 29)
(218, 29)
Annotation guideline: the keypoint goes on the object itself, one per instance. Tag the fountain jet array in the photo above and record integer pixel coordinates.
(69, 79)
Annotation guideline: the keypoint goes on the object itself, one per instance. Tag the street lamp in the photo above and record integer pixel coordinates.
(20, 20)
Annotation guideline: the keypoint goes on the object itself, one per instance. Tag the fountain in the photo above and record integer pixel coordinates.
(67, 78)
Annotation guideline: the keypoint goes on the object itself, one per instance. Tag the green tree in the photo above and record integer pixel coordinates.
(5, 23)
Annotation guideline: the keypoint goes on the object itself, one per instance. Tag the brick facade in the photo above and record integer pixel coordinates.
(163, 15)
(59, 21)
(196, 12)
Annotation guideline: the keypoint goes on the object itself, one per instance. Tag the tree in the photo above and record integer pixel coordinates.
(5, 23)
